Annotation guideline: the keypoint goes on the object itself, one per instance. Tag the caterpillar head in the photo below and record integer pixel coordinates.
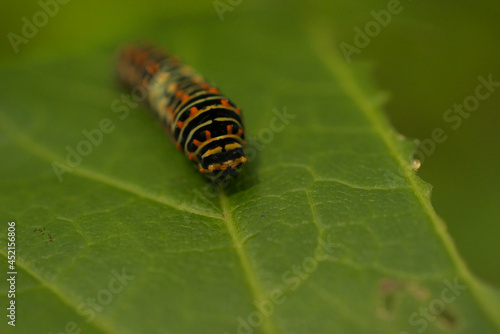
(223, 163)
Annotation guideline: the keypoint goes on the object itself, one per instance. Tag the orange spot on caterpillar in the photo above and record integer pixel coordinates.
(185, 98)
(213, 90)
(238, 111)
(191, 157)
(229, 130)
(194, 111)
(205, 85)
(152, 67)
(240, 132)
(196, 142)
(179, 93)
(169, 110)
(208, 134)
(225, 102)
(178, 146)
(180, 124)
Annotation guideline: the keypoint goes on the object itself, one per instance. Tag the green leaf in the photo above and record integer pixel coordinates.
(328, 229)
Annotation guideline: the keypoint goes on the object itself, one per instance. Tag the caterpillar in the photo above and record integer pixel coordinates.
(202, 122)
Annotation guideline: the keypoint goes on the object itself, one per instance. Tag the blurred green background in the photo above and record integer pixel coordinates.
(428, 58)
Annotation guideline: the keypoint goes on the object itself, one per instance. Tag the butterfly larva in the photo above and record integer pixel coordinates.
(203, 123)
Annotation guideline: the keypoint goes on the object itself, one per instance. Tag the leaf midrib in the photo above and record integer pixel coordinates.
(250, 273)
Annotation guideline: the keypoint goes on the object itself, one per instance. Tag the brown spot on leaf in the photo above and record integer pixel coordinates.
(447, 319)
(389, 298)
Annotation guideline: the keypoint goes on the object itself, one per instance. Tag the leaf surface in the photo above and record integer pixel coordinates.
(328, 230)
